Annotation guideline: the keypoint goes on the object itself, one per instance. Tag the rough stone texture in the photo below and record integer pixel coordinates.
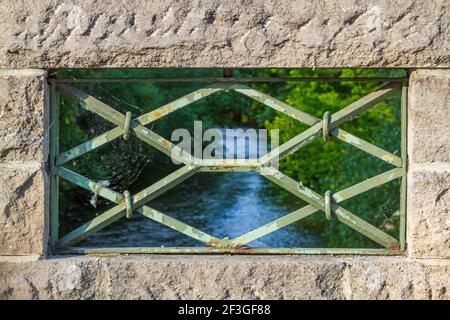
(23, 116)
(429, 164)
(429, 211)
(216, 277)
(207, 33)
(398, 278)
(429, 116)
(22, 209)
(23, 152)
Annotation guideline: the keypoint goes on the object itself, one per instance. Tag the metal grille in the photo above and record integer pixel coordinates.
(127, 125)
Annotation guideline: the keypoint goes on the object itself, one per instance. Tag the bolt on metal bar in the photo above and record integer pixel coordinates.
(310, 209)
(126, 126)
(138, 201)
(328, 205)
(342, 214)
(310, 120)
(337, 119)
(117, 118)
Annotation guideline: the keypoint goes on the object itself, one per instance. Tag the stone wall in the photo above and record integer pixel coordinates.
(229, 277)
(23, 152)
(57, 34)
(210, 33)
(429, 164)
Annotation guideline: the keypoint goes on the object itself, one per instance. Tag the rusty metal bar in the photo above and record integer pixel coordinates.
(231, 251)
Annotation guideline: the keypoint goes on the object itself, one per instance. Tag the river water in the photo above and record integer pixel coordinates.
(220, 204)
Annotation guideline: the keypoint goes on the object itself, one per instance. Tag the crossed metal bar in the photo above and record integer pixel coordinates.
(265, 165)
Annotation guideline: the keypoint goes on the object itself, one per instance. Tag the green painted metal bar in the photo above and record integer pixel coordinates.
(368, 184)
(148, 212)
(342, 214)
(404, 153)
(338, 118)
(96, 224)
(90, 185)
(310, 209)
(113, 214)
(291, 146)
(163, 185)
(274, 225)
(89, 146)
(243, 251)
(92, 104)
(177, 225)
(363, 104)
(253, 163)
(276, 104)
(367, 229)
(367, 147)
(163, 145)
(228, 169)
(228, 165)
(231, 80)
(54, 150)
(176, 105)
(293, 186)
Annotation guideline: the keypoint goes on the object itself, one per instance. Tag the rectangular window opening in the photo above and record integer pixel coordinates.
(228, 161)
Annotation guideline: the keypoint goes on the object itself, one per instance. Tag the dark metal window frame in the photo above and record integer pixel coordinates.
(127, 204)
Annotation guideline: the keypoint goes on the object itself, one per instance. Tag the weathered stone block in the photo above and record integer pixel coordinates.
(224, 277)
(215, 33)
(429, 212)
(23, 115)
(429, 116)
(383, 278)
(216, 277)
(22, 209)
(50, 279)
